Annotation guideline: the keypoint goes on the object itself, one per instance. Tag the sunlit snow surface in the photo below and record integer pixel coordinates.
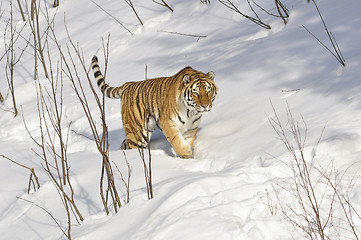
(221, 192)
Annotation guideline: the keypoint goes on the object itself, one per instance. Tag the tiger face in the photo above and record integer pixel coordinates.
(200, 91)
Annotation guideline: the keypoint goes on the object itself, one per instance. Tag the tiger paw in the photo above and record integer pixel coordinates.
(185, 152)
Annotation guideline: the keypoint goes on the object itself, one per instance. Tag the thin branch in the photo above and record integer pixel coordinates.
(164, 4)
(233, 7)
(44, 209)
(121, 24)
(32, 173)
(337, 54)
(185, 34)
(130, 3)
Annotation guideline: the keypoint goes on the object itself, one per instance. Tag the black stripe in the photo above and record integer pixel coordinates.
(95, 59)
(96, 74)
(95, 65)
(103, 88)
(195, 120)
(108, 91)
(192, 129)
(180, 119)
(139, 108)
(100, 81)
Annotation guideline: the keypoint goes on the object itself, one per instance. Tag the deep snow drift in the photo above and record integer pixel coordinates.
(221, 192)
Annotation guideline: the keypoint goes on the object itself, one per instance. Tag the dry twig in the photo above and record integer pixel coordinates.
(32, 174)
(130, 3)
(256, 20)
(312, 196)
(337, 52)
(164, 4)
(121, 24)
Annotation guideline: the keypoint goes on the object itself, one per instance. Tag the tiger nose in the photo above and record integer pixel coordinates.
(204, 106)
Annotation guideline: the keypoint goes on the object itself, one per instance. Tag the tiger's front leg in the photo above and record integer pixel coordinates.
(175, 138)
(190, 136)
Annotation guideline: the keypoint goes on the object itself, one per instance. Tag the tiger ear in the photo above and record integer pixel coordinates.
(211, 75)
(186, 79)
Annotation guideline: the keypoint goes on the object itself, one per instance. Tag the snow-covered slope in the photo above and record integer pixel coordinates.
(221, 192)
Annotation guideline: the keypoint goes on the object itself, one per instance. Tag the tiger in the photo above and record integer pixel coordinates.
(173, 104)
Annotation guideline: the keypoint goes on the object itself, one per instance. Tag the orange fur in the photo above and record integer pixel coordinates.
(173, 104)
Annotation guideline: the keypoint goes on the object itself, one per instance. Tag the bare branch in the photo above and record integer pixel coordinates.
(130, 3)
(256, 20)
(164, 4)
(121, 24)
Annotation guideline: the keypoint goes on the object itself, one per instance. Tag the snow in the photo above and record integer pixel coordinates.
(221, 192)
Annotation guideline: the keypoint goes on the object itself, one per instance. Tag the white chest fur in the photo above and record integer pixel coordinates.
(187, 120)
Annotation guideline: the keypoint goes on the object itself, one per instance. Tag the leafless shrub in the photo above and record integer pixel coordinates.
(54, 140)
(32, 177)
(11, 36)
(337, 52)
(313, 196)
(73, 59)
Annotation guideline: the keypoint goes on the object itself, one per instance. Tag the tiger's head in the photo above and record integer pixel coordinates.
(199, 91)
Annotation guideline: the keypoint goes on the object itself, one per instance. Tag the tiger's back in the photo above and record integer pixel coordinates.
(174, 104)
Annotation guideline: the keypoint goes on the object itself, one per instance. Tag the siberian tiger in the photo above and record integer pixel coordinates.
(174, 104)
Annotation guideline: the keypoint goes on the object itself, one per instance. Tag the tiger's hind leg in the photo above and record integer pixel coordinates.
(136, 139)
(138, 127)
